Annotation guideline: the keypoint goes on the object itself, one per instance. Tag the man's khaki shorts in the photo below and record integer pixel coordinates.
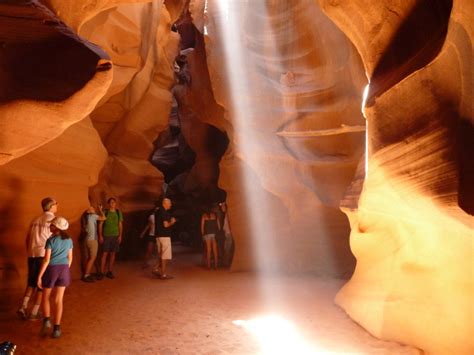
(92, 246)
(164, 247)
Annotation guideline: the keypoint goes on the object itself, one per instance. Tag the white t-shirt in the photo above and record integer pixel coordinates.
(39, 234)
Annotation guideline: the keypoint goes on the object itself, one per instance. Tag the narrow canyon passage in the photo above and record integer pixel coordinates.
(196, 313)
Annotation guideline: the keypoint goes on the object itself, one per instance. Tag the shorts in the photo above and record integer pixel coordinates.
(164, 247)
(34, 266)
(209, 237)
(111, 245)
(91, 247)
(56, 276)
(150, 239)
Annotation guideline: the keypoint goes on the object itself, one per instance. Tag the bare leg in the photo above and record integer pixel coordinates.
(26, 297)
(157, 267)
(89, 264)
(214, 249)
(208, 253)
(39, 297)
(28, 291)
(163, 266)
(58, 301)
(46, 305)
(103, 261)
(111, 261)
(149, 251)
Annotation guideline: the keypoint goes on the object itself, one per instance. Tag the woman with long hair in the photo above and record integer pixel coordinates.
(55, 273)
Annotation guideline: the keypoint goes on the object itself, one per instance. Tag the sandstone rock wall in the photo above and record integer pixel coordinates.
(291, 85)
(412, 225)
(50, 148)
(136, 107)
(40, 95)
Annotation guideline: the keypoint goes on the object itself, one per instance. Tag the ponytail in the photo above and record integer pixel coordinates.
(64, 235)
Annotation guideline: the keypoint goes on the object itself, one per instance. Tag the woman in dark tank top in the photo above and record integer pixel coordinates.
(209, 228)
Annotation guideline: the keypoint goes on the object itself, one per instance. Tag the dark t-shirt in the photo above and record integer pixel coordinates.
(160, 216)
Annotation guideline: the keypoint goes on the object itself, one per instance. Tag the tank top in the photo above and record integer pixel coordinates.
(210, 226)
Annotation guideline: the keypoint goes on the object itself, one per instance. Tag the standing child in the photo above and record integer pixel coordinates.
(55, 273)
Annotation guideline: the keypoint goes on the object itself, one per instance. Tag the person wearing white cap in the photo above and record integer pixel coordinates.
(55, 273)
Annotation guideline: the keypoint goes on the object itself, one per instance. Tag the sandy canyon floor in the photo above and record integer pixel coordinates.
(199, 312)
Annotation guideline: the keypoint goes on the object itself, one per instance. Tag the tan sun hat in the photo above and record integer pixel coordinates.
(60, 223)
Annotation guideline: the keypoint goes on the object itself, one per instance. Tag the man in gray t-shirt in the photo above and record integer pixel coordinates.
(91, 244)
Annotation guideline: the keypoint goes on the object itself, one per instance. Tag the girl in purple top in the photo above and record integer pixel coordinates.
(55, 273)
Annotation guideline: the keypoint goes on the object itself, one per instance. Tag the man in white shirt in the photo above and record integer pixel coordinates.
(35, 243)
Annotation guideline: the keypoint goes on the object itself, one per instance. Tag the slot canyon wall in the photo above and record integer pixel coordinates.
(412, 224)
(291, 108)
(292, 114)
(86, 128)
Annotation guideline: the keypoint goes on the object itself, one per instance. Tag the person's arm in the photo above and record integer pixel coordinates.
(69, 257)
(202, 225)
(101, 238)
(170, 223)
(218, 223)
(101, 214)
(149, 226)
(44, 265)
(120, 229)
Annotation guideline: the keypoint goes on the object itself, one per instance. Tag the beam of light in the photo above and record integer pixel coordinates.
(277, 335)
(247, 118)
(270, 86)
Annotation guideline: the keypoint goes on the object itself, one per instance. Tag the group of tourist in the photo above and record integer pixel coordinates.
(49, 250)
(108, 234)
(214, 228)
(216, 235)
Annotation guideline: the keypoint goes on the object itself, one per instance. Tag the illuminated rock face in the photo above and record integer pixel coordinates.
(50, 146)
(292, 106)
(411, 218)
(40, 95)
(136, 107)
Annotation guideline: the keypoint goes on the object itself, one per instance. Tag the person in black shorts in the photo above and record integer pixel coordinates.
(37, 237)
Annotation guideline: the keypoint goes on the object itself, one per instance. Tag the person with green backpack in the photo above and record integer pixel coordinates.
(110, 237)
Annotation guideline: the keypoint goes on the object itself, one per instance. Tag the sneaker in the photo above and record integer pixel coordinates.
(110, 275)
(35, 317)
(166, 277)
(99, 276)
(56, 333)
(45, 327)
(21, 313)
(88, 278)
(156, 273)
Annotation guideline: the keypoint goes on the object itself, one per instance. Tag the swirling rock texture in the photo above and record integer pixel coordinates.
(136, 107)
(40, 96)
(291, 93)
(45, 152)
(48, 146)
(411, 218)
